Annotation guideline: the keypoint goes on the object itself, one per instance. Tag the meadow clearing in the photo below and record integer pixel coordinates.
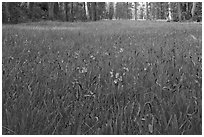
(106, 77)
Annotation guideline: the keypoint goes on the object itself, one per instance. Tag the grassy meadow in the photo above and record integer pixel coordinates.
(106, 77)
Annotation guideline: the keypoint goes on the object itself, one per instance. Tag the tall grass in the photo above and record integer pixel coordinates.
(104, 78)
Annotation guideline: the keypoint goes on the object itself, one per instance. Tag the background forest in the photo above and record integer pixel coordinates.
(17, 12)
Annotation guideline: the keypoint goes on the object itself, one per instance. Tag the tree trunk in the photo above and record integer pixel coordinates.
(151, 10)
(111, 10)
(56, 10)
(135, 10)
(187, 7)
(107, 10)
(193, 10)
(179, 10)
(76, 9)
(114, 10)
(93, 4)
(156, 11)
(72, 12)
(96, 10)
(127, 10)
(87, 11)
(84, 11)
(51, 10)
(6, 14)
(30, 9)
(66, 11)
(169, 18)
(147, 17)
(159, 10)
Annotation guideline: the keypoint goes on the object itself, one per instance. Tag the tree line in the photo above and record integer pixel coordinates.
(16, 12)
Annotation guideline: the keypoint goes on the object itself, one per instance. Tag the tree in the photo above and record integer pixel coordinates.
(51, 10)
(84, 11)
(110, 10)
(119, 9)
(154, 10)
(87, 11)
(187, 6)
(151, 10)
(72, 12)
(66, 11)
(159, 10)
(6, 13)
(127, 10)
(30, 9)
(169, 17)
(114, 10)
(16, 12)
(94, 15)
(147, 12)
(193, 10)
(56, 10)
(101, 10)
(179, 10)
(142, 8)
(136, 10)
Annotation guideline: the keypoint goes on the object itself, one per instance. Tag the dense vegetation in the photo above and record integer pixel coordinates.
(18, 12)
(107, 77)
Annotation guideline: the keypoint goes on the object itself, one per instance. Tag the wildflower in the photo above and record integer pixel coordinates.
(117, 75)
(111, 73)
(25, 62)
(115, 81)
(76, 54)
(143, 119)
(123, 73)
(11, 57)
(149, 64)
(92, 57)
(125, 68)
(120, 78)
(90, 92)
(106, 53)
(77, 68)
(26, 42)
(96, 118)
(121, 50)
(84, 70)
